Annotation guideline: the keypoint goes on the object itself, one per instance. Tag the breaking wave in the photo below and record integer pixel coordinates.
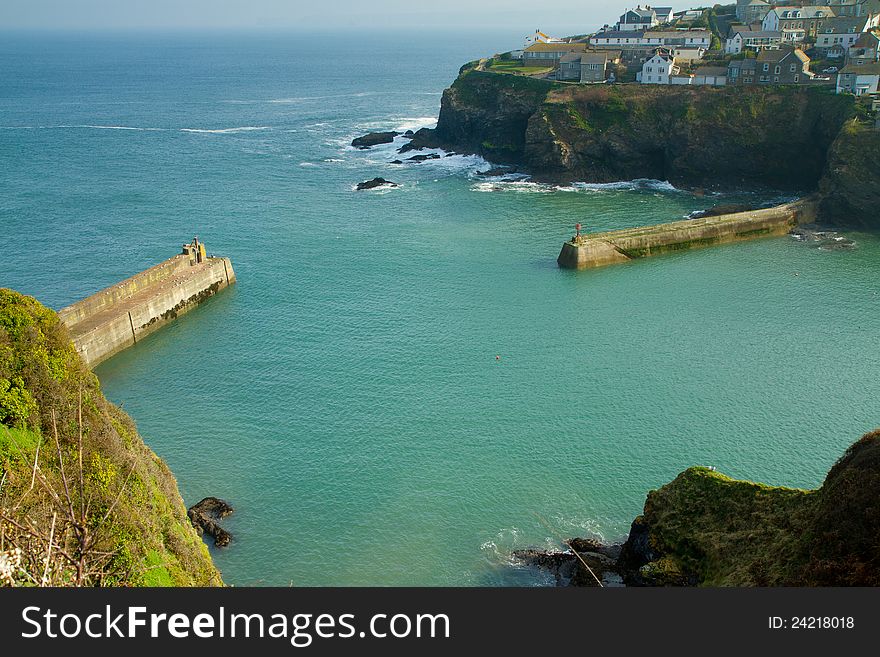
(506, 184)
(227, 131)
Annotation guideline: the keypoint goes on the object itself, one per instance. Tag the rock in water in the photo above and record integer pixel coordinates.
(373, 139)
(375, 182)
(204, 516)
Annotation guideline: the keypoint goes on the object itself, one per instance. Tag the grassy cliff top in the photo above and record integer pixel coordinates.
(706, 528)
(79, 487)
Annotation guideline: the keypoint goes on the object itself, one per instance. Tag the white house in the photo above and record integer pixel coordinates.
(837, 35)
(808, 18)
(623, 40)
(664, 14)
(859, 80)
(658, 69)
(751, 40)
(637, 19)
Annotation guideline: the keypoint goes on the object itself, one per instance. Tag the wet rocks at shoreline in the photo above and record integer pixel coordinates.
(568, 570)
(374, 139)
(204, 516)
(822, 238)
(374, 183)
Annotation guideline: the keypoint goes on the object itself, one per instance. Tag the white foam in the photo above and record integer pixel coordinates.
(415, 123)
(111, 127)
(509, 183)
(227, 131)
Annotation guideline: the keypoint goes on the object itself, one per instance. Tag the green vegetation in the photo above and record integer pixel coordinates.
(709, 529)
(82, 501)
(515, 67)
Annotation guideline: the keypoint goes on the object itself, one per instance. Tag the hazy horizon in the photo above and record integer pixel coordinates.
(563, 18)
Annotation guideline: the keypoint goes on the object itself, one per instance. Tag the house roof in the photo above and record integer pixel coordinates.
(759, 34)
(776, 56)
(861, 69)
(557, 47)
(678, 34)
(867, 40)
(711, 70)
(844, 25)
(744, 64)
(811, 11)
(614, 34)
(595, 58)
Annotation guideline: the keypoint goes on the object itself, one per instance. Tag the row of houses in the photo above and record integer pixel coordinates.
(780, 66)
(833, 36)
(755, 11)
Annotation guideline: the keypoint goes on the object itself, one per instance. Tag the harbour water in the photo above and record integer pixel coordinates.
(403, 386)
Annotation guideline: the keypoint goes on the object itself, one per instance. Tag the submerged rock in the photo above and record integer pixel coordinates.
(422, 158)
(204, 516)
(374, 139)
(569, 570)
(376, 182)
(826, 240)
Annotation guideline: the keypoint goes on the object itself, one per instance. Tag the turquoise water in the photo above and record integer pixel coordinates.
(345, 395)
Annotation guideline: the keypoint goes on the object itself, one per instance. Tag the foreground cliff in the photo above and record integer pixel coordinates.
(778, 137)
(82, 501)
(706, 529)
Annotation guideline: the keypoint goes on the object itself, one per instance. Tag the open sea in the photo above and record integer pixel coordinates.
(403, 387)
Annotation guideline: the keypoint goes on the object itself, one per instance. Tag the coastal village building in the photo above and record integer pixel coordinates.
(866, 49)
(742, 71)
(549, 54)
(637, 19)
(859, 80)
(838, 35)
(751, 11)
(712, 76)
(783, 66)
(617, 40)
(658, 69)
(809, 19)
(588, 67)
(747, 39)
(855, 7)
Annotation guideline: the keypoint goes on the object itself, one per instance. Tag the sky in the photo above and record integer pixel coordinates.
(569, 16)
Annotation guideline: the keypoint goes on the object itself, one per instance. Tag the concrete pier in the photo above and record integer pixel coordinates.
(119, 316)
(600, 249)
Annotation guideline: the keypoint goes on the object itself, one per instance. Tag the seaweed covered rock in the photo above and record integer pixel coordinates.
(704, 528)
(107, 505)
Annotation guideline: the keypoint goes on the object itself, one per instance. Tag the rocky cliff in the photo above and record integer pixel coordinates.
(777, 137)
(83, 501)
(850, 187)
(706, 529)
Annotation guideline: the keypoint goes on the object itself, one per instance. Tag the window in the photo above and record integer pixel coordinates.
(776, 79)
(797, 78)
(747, 80)
(777, 70)
(793, 68)
(766, 67)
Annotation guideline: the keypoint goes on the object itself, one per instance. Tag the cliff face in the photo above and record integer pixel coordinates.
(851, 185)
(777, 137)
(83, 500)
(704, 528)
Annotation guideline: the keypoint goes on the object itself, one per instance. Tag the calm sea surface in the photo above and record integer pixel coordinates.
(345, 395)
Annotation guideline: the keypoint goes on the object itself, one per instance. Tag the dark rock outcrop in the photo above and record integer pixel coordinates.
(780, 137)
(374, 183)
(422, 158)
(706, 529)
(422, 138)
(850, 187)
(374, 139)
(204, 516)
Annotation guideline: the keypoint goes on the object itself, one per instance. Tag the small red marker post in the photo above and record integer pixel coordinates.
(577, 231)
